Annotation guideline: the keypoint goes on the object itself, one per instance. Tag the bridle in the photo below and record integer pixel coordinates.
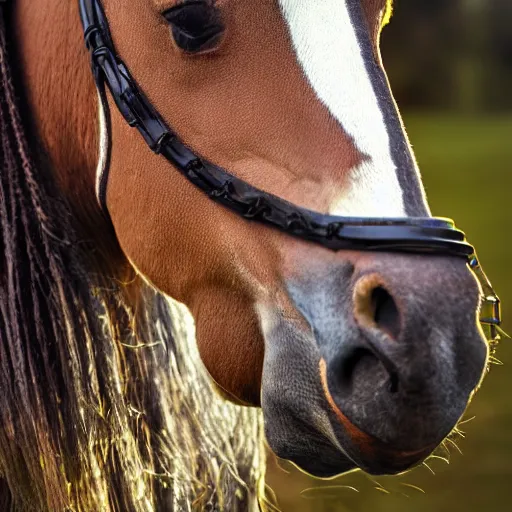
(407, 234)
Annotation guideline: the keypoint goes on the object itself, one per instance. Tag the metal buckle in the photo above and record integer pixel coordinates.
(490, 314)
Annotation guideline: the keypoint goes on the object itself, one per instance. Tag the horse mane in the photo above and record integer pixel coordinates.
(104, 404)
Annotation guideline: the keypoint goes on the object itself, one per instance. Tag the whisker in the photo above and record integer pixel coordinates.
(495, 360)
(415, 487)
(445, 448)
(372, 480)
(452, 442)
(281, 468)
(377, 485)
(429, 468)
(463, 422)
(444, 459)
(501, 332)
(326, 488)
(459, 432)
(272, 493)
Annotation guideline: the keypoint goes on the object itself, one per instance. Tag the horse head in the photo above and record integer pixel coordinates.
(357, 358)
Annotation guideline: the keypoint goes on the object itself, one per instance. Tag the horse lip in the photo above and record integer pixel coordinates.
(369, 447)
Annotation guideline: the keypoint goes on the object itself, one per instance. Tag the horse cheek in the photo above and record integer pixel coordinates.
(230, 343)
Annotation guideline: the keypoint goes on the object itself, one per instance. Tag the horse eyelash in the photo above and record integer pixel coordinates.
(210, 4)
(180, 3)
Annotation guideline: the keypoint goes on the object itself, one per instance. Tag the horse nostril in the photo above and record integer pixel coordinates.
(360, 357)
(362, 362)
(375, 307)
(386, 315)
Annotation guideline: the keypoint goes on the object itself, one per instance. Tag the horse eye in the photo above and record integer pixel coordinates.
(196, 25)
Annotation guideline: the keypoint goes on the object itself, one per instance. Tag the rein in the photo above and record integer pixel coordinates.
(429, 235)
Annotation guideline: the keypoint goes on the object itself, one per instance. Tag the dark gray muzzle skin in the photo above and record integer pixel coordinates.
(376, 388)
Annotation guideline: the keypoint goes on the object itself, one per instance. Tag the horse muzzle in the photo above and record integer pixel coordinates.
(381, 368)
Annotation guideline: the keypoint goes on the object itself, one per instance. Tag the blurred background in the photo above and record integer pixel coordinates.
(450, 66)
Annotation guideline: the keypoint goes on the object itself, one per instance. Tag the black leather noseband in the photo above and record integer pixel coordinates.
(407, 234)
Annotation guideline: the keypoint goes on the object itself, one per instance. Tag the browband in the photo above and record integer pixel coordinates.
(427, 235)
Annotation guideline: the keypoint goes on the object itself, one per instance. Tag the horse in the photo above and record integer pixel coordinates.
(148, 336)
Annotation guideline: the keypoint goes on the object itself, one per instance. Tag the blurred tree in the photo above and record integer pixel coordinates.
(500, 49)
(455, 54)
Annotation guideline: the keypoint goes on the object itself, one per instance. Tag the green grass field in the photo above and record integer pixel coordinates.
(467, 170)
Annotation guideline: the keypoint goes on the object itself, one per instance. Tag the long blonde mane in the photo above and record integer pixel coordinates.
(104, 404)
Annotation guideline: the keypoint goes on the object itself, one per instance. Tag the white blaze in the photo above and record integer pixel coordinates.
(328, 51)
